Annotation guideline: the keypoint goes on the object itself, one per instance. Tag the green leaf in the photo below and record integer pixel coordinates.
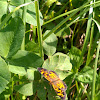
(86, 75)
(41, 92)
(39, 87)
(30, 15)
(3, 9)
(17, 70)
(74, 56)
(32, 46)
(11, 37)
(25, 89)
(51, 93)
(32, 74)
(4, 75)
(50, 44)
(59, 63)
(18, 2)
(23, 60)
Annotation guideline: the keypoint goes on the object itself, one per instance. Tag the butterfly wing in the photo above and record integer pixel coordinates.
(54, 78)
(45, 73)
(60, 93)
(58, 85)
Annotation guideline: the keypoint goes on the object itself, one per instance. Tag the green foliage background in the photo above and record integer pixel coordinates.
(58, 35)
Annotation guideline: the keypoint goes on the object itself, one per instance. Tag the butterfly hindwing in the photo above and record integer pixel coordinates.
(56, 80)
(60, 92)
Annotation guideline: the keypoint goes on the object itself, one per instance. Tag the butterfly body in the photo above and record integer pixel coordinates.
(58, 85)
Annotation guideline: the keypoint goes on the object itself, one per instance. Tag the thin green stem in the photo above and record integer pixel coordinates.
(39, 28)
(12, 87)
(73, 35)
(94, 72)
(34, 33)
(24, 21)
(24, 13)
(91, 39)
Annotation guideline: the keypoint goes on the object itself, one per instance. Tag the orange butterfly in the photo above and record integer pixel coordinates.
(58, 85)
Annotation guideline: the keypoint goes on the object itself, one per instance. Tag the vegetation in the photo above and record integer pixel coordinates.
(58, 35)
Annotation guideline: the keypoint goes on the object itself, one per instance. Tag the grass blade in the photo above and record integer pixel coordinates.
(39, 28)
(87, 35)
(94, 74)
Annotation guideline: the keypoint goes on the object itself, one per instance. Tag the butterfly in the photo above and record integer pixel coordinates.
(58, 85)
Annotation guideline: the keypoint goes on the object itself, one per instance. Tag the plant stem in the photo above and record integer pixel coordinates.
(91, 39)
(94, 72)
(24, 21)
(39, 32)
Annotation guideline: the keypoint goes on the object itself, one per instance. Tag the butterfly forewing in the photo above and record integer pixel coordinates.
(44, 72)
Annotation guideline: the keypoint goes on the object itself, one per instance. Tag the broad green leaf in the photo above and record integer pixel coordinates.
(11, 37)
(18, 2)
(23, 60)
(49, 44)
(33, 74)
(4, 75)
(51, 92)
(41, 92)
(59, 63)
(39, 87)
(30, 14)
(86, 75)
(74, 56)
(3, 9)
(32, 46)
(17, 70)
(25, 89)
